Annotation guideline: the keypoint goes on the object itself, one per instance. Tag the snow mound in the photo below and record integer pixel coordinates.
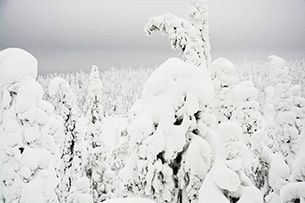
(293, 191)
(276, 61)
(175, 73)
(222, 65)
(15, 64)
(279, 172)
(58, 85)
(244, 91)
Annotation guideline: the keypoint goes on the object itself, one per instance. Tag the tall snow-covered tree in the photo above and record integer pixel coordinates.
(94, 113)
(71, 167)
(173, 146)
(27, 149)
(103, 181)
(188, 36)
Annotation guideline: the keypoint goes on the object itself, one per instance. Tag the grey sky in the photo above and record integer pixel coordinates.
(68, 35)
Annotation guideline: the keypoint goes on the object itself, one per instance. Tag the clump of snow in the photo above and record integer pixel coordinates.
(276, 61)
(15, 64)
(82, 191)
(293, 192)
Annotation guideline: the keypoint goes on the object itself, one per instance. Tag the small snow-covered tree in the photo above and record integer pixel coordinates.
(171, 141)
(188, 36)
(94, 113)
(222, 72)
(279, 174)
(227, 182)
(27, 149)
(285, 133)
(71, 167)
(246, 109)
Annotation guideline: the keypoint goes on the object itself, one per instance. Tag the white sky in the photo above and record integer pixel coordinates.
(68, 35)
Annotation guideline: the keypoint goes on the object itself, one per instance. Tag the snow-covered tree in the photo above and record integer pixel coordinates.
(27, 149)
(94, 113)
(103, 181)
(188, 36)
(246, 111)
(227, 182)
(278, 177)
(223, 74)
(72, 151)
(173, 146)
(285, 133)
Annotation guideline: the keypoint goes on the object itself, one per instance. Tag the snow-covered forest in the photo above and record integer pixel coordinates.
(190, 130)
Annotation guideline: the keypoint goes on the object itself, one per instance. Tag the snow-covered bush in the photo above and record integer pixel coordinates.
(188, 36)
(172, 145)
(27, 149)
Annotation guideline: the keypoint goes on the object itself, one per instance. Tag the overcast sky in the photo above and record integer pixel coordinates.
(68, 35)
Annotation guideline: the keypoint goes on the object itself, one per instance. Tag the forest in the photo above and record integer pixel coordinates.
(191, 130)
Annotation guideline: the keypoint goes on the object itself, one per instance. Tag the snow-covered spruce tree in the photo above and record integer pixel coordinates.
(173, 146)
(94, 114)
(246, 109)
(227, 182)
(285, 134)
(188, 36)
(222, 72)
(27, 150)
(294, 191)
(97, 164)
(71, 158)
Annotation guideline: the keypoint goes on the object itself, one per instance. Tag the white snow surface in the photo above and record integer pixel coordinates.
(15, 64)
(129, 200)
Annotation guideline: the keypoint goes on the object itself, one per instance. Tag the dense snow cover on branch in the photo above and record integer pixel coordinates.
(171, 142)
(188, 36)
